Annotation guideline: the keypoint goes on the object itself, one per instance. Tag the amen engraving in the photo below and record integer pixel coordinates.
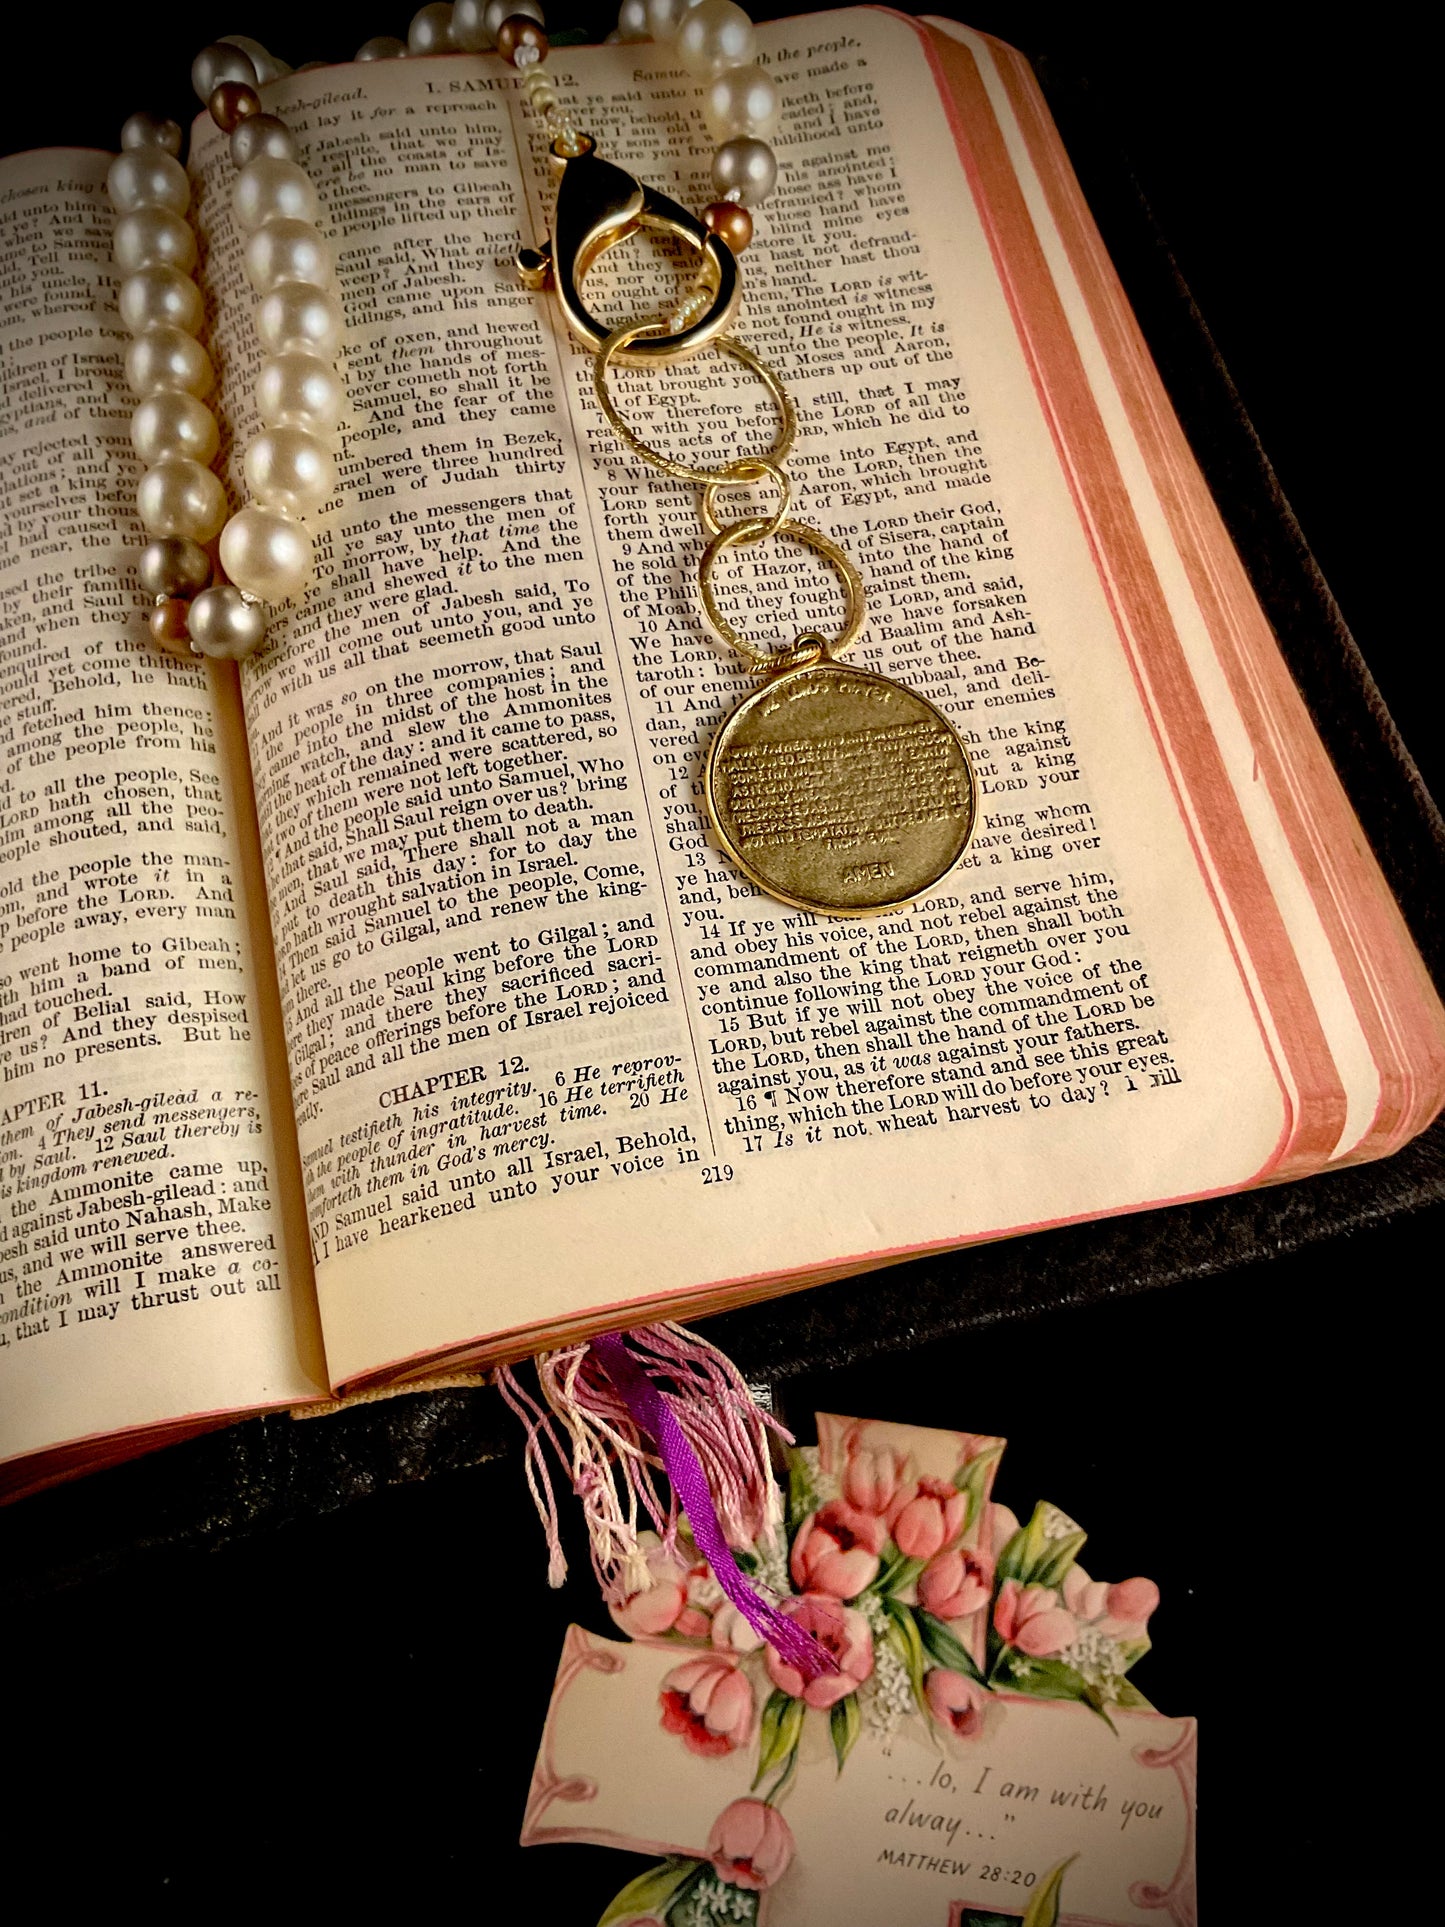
(855, 787)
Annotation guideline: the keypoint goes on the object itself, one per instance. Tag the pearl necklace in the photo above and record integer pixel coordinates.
(265, 551)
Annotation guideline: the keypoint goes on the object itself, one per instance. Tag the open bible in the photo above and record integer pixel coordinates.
(384, 1008)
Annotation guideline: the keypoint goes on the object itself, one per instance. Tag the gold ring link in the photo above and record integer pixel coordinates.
(752, 468)
(735, 534)
(620, 339)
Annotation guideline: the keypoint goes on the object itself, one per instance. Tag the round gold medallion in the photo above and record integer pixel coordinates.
(840, 791)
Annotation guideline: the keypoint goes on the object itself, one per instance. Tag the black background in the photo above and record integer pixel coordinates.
(345, 1706)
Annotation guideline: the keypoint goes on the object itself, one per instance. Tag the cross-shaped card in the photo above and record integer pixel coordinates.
(979, 1759)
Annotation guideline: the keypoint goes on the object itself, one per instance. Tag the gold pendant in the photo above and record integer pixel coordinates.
(834, 789)
(840, 791)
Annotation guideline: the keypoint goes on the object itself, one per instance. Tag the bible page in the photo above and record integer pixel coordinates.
(151, 1270)
(553, 1059)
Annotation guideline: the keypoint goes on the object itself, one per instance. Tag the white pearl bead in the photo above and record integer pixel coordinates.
(261, 134)
(497, 11)
(632, 21)
(382, 46)
(147, 177)
(150, 130)
(266, 554)
(287, 251)
(270, 190)
(664, 17)
(180, 497)
(715, 34)
(267, 66)
(469, 27)
(741, 101)
(297, 316)
(161, 297)
(168, 358)
(746, 168)
(301, 391)
(170, 421)
(223, 625)
(153, 237)
(289, 469)
(430, 31)
(216, 63)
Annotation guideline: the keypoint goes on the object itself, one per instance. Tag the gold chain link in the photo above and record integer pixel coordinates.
(620, 338)
(752, 468)
(753, 530)
(748, 529)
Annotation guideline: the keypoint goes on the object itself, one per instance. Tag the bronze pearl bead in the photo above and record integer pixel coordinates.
(231, 103)
(730, 222)
(168, 626)
(516, 32)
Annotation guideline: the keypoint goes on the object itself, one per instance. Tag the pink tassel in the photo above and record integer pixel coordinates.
(659, 1398)
(613, 1469)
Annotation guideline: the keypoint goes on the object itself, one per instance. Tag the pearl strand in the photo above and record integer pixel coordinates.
(289, 468)
(181, 502)
(716, 43)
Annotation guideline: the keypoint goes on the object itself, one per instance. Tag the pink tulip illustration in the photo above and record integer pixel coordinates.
(731, 1633)
(703, 1594)
(1087, 1599)
(656, 1606)
(956, 1583)
(930, 1520)
(751, 1845)
(843, 1632)
(1130, 1604)
(709, 1704)
(1122, 1611)
(955, 1702)
(877, 1478)
(1031, 1618)
(837, 1550)
(999, 1526)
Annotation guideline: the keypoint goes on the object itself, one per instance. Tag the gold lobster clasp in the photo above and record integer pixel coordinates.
(599, 205)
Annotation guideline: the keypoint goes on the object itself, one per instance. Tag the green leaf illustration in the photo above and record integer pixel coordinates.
(1094, 1700)
(845, 1723)
(654, 1891)
(1043, 1909)
(1051, 1679)
(943, 1646)
(800, 1492)
(1045, 1679)
(778, 1732)
(1056, 1562)
(1133, 1650)
(903, 1637)
(898, 1574)
(1030, 1555)
(973, 1479)
(1131, 1699)
(1015, 1558)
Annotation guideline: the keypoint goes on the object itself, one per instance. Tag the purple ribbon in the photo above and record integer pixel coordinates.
(656, 1419)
